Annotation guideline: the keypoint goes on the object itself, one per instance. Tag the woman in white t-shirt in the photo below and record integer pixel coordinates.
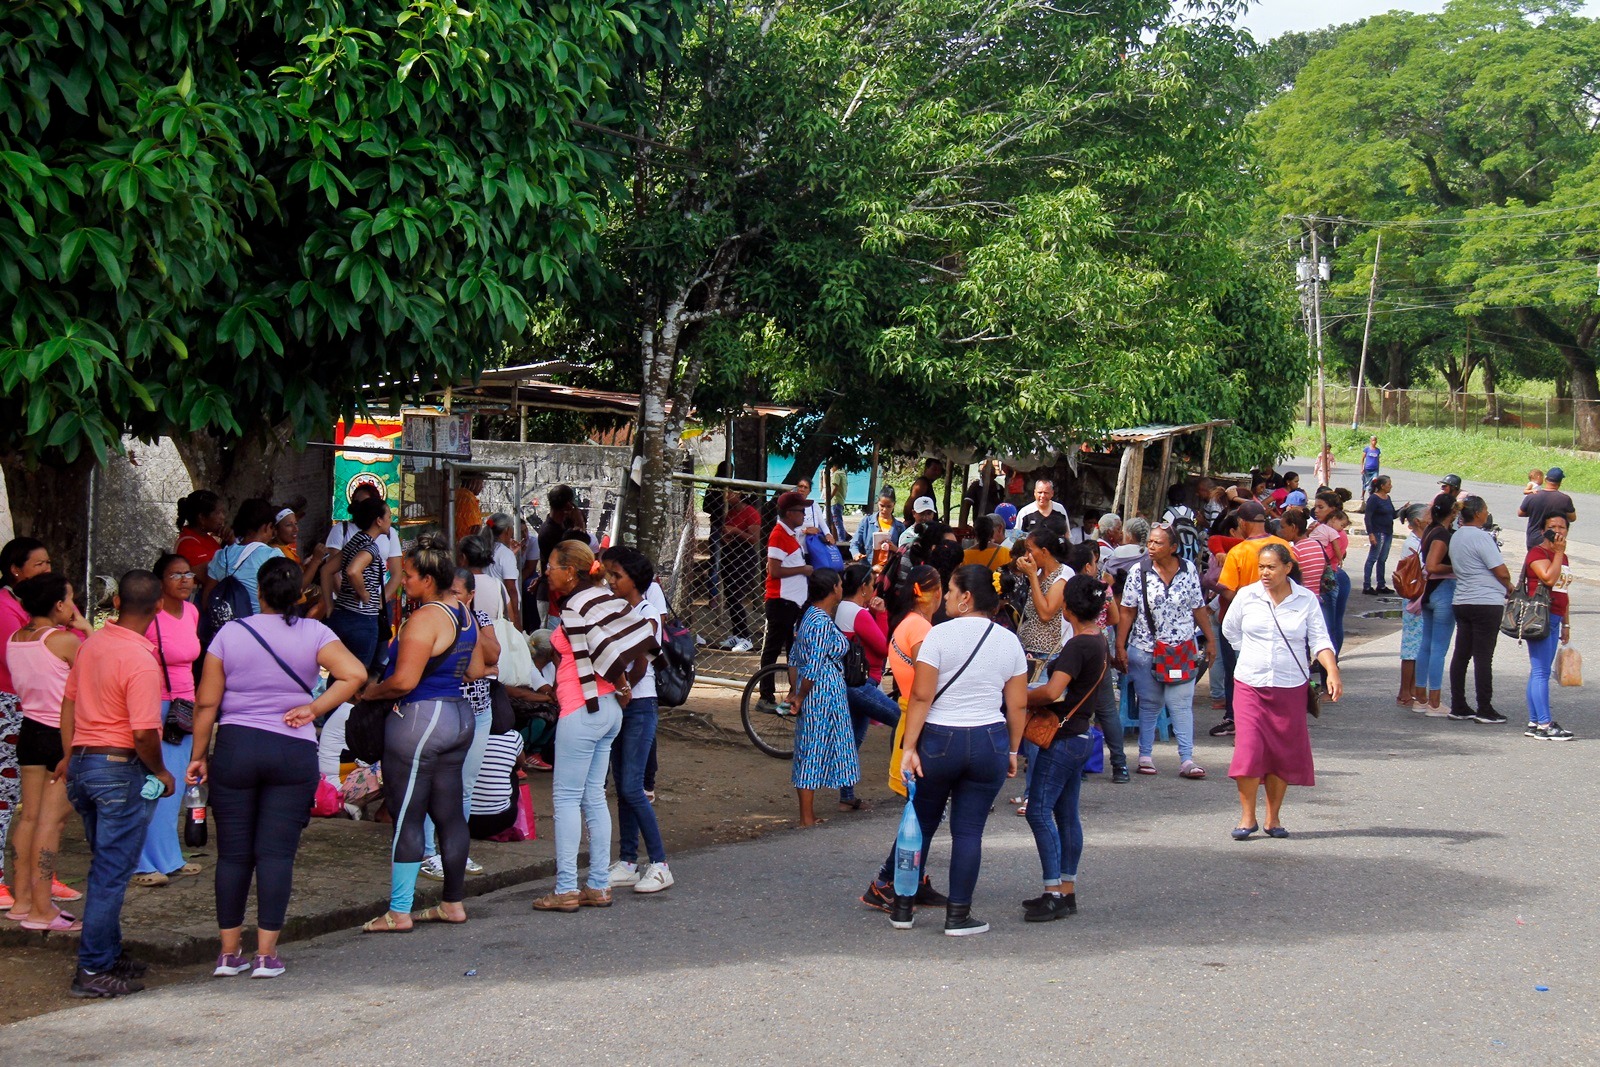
(632, 577)
(959, 743)
(503, 564)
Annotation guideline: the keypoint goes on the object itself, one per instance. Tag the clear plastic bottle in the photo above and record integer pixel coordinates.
(194, 816)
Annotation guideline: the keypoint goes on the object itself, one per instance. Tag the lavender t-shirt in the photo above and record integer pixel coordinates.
(257, 692)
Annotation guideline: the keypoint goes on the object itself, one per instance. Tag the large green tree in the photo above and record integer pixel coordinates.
(929, 221)
(1471, 133)
(226, 215)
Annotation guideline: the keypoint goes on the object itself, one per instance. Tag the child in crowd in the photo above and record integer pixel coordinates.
(1535, 482)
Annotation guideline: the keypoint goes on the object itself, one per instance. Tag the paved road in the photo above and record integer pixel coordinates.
(1439, 873)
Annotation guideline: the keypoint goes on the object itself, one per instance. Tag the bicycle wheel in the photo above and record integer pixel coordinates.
(770, 728)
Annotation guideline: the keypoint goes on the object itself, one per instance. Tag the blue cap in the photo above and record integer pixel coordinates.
(1008, 512)
(1554, 474)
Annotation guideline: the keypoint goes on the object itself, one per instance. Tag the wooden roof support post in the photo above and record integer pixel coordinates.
(1130, 502)
(1166, 471)
(1205, 456)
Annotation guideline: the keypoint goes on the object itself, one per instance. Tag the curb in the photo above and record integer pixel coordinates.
(192, 944)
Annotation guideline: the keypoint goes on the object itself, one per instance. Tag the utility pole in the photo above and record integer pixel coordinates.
(1319, 272)
(1366, 335)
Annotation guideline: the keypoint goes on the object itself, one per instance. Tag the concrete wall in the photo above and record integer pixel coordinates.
(596, 472)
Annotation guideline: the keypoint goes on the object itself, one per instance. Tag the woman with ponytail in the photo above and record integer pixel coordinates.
(202, 521)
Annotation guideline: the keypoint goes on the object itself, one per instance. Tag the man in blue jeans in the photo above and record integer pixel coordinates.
(111, 734)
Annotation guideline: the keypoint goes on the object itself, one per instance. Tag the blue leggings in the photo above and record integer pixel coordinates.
(1542, 659)
(1438, 624)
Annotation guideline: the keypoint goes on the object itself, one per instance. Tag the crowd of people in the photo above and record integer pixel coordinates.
(241, 675)
(436, 676)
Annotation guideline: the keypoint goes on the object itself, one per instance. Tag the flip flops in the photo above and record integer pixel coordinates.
(150, 879)
(61, 924)
(433, 915)
(385, 924)
(1191, 769)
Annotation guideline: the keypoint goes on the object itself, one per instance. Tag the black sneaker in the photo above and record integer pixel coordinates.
(1552, 731)
(1490, 718)
(879, 895)
(1368, 591)
(1049, 907)
(1120, 775)
(903, 915)
(128, 967)
(1534, 730)
(1222, 729)
(929, 897)
(105, 984)
(959, 922)
(1463, 715)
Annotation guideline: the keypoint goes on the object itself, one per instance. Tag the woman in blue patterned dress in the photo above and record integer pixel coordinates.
(824, 742)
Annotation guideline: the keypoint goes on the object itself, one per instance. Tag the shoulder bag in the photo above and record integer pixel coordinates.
(1527, 616)
(1313, 698)
(1044, 724)
(1171, 664)
(180, 713)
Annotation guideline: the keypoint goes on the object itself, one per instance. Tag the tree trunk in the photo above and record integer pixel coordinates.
(1575, 350)
(657, 437)
(234, 470)
(1491, 400)
(815, 448)
(51, 502)
(1399, 373)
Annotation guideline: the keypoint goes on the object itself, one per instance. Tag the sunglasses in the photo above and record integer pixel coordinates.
(181, 576)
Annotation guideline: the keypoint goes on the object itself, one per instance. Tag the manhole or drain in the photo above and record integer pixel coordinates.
(1392, 613)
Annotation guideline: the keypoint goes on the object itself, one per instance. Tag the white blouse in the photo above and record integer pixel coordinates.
(1266, 659)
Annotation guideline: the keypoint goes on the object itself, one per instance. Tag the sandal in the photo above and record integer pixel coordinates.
(61, 924)
(1147, 765)
(190, 869)
(389, 926)
(150, 879)
(433, 915)
(1023, 809)
(1191, 770)
(854, 804)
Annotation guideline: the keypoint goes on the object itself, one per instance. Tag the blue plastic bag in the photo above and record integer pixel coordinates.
(1097, 753)
(821, 554)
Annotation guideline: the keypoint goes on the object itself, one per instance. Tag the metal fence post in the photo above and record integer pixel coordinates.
(1547, 422)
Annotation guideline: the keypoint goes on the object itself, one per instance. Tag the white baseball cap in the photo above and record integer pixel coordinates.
(924, 503)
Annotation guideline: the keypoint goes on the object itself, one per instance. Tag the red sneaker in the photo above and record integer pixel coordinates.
(63, 892)
(6, 900)
(539, 764)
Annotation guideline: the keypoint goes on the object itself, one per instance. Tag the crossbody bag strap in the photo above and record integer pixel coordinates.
(962, 668)
(1091, 692)
(301, 682)
(161, 652)
(1303, 670)
(1144, 595)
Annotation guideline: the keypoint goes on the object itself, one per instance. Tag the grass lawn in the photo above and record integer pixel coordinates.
(1478, 456)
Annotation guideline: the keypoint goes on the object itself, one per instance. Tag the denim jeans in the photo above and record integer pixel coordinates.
(104, 791)
(836, 518)
(1230, 661)
(868, 704)
(578, 793)
(1218, 675)
(1366, 483)
(358, 633)
(1541, 660)
(1053, 806)
(964, 766)
(1438, 623)
(1374, 573)
(469, 775)
(1333, 608)
(1154, 695)
(630, 754)
(1108, 712)
(161, 853)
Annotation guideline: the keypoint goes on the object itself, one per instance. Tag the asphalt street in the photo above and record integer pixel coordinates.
(1435, 903)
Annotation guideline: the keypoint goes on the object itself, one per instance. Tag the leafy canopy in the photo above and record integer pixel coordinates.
(219, 213)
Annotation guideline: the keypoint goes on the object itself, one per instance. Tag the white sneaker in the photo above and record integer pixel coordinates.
(474, 867)
(624, 873)
(433, 867)
(742, 645)
(655, 878)
(729, 643)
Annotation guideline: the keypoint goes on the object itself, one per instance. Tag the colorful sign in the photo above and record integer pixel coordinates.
(353, 467)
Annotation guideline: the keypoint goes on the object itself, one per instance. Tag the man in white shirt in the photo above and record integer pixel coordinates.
(1044, 503)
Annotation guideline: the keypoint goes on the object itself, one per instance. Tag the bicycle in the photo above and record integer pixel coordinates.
(770, 727)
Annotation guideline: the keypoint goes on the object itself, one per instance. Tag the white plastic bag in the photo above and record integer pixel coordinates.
(516, 662)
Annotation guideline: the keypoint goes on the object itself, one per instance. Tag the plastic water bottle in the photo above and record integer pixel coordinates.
(194, 816)
(908, 848)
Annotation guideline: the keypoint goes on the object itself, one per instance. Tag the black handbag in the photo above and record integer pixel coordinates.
(1527, 616)
(1313, 697)
(855, 664)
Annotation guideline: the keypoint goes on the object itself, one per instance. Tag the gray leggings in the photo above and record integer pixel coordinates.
(424, 747)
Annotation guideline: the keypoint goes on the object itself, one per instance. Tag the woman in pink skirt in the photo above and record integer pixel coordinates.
(1277, 626)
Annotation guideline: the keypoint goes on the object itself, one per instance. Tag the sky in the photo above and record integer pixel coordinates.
(1268, 18)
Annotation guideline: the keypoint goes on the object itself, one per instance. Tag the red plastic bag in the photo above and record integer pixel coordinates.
(327, 802)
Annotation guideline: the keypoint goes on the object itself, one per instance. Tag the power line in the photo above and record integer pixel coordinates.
(1407, 223)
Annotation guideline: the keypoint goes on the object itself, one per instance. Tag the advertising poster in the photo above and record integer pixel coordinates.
(353, 467)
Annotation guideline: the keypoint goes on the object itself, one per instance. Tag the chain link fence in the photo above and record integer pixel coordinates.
(714, 572)
(1538, 420)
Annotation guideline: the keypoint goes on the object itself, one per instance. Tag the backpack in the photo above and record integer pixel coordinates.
(675, 663)
(1188, 540)
(1408, 578)
(229, 599)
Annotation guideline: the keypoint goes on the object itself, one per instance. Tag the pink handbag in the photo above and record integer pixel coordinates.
(327, 802)
(526, 828)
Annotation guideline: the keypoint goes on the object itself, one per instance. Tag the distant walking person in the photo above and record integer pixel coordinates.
(1371, 457)
(111, 736)
(256, 687)
(787, 572)
(1482, 584)
(1380, 514)
(1438, 601)
(1548, 501)
(1276, 624)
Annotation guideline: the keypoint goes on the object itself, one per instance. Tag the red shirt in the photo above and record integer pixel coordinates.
(784, 547)
(13, 617)
(743, 517)
(1559, 601)
(115, 688)
(197, 547)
